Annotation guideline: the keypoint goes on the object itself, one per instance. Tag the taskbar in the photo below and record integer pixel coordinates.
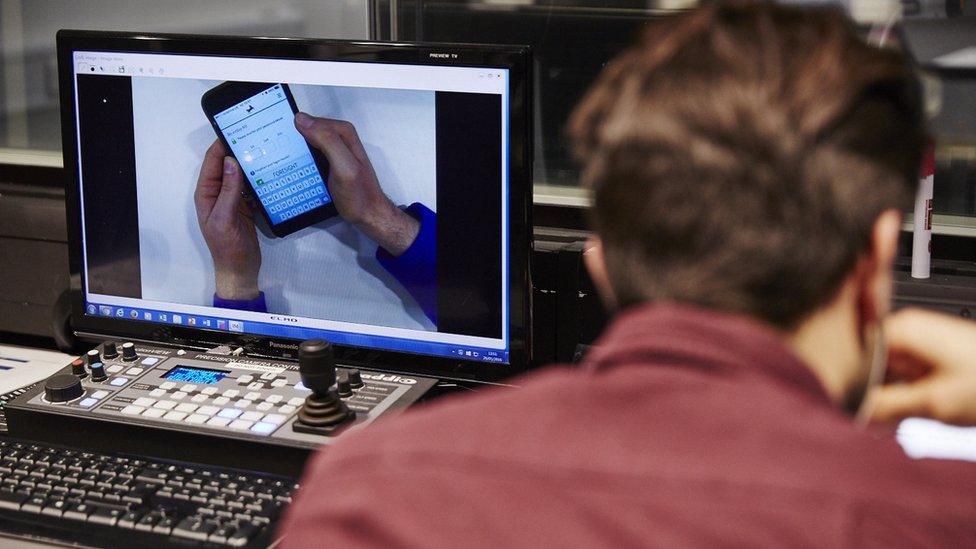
(224, 324)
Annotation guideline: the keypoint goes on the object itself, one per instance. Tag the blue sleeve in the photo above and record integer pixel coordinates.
(257, 304)
(416, 267)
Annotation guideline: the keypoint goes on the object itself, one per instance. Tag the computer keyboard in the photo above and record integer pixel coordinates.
(4, 399)
(115, 500)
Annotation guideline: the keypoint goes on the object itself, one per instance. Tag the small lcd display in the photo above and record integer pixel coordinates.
(202, 376)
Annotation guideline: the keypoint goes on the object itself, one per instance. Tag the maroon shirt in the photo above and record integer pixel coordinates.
(686, 428)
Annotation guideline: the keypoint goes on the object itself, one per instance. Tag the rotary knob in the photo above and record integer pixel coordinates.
(78, 368)
(62, 388)
(355, 378)
(344, 387)
(109, 350)
(98, 372)
(92, 357)
(129, 351)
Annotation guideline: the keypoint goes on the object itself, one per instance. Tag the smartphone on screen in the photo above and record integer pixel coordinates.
(287, 177)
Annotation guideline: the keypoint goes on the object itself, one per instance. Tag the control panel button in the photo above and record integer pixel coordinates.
(149, 361)
(132, 410)
(242, 403)
(218, 421)
(144, 402)
(296, 401)
(165, 404)
(269, 375)
(274, 399)
(179, 395)
(231, 393)
(88, 402)
(186, 407)
(154, 413)
(199, 398)
(220, 401)
(175, 416)
(157, 392)
(277, 419)
(287, 409)
(241, 424)
(188, 388)
(196, 418)
(230, 413)
(264, 406)
(256, 386)
(208, 410)
(99, 394)
(167, 385)
(278, 383)
(245, 379)
(209, 391)
(252, 396)
(114, 369)
(134, 371)
(263, 428)
(119, 381)
(252, 416)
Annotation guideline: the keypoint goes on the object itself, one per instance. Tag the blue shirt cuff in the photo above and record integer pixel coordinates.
(416, 267)
(257, 304)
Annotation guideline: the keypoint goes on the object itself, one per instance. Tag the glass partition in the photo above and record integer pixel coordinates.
(29, 120)
(572, 41)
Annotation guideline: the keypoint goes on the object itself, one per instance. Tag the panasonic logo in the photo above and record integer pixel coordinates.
(276, 345)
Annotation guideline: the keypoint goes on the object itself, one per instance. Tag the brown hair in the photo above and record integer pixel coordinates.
(740, 153)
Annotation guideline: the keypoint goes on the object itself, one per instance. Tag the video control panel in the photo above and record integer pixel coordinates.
(183, 398)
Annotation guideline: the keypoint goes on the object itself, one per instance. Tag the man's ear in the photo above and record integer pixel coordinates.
(878, 266)
(597, 267)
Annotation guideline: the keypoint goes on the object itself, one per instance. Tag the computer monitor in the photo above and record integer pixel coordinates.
(396, 226)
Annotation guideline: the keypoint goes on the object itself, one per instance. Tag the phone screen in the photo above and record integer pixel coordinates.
(274, 156)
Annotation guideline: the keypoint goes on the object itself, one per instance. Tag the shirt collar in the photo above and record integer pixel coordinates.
(699, 338)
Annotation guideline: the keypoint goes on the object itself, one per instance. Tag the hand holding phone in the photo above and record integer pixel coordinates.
(356, 191)
(227, 224)
(255, 122)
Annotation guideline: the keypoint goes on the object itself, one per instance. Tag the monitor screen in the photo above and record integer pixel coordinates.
(366, 203)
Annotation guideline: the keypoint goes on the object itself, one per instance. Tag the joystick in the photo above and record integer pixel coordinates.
(62, 388)
(323, 411)
(78, 368)
(98, 372)
(129, 351)
(109, 350)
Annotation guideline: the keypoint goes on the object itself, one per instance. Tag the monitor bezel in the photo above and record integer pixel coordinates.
(514, 58)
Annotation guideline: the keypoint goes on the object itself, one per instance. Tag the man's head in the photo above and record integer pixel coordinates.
(752, 158)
